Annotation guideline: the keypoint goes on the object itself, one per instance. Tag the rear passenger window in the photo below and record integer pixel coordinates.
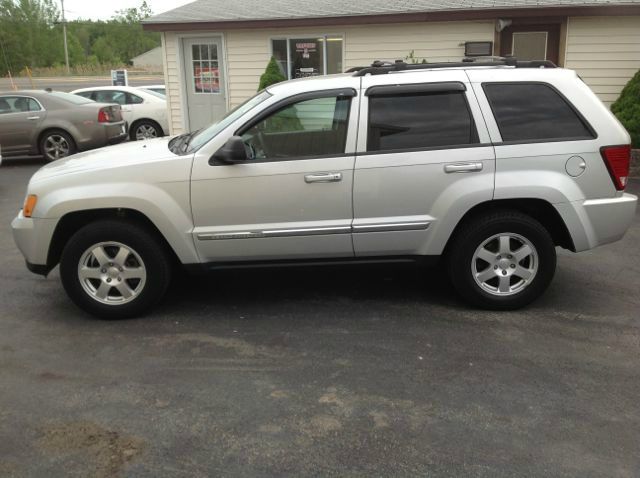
(534, 112)
(420, 121)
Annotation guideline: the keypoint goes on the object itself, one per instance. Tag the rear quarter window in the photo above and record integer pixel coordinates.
(534, 112)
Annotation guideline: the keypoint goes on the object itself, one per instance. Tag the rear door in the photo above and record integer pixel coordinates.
(423, 159)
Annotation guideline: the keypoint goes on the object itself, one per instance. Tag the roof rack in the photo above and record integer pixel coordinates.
(384, 67)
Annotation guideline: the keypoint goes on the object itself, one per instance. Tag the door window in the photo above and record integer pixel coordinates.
(119, 97)
(18, 104)
(310, 128)
(534, 112)
(134, 99)
(419, 121)
(205, 68)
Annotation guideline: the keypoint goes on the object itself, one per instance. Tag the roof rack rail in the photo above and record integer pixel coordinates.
(384, 67)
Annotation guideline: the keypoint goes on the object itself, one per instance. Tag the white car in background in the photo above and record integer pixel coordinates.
(160, 89)
(145, 112)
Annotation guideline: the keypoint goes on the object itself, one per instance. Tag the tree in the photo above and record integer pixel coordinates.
(271, 76)
(627, 109)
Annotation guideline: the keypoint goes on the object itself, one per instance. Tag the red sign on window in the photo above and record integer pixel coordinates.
(207, 79)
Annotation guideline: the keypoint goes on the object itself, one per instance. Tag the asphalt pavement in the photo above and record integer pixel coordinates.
(322, 372)
(70, 83)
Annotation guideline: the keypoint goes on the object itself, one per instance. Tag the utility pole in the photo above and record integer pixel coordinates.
(64, 35)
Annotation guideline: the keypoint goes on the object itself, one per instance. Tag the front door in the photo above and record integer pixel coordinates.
(205, 85)
(292, 199)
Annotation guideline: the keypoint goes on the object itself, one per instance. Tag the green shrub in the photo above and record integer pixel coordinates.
(627, 109)
(272, 75)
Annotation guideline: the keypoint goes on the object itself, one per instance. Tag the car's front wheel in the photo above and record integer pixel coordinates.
(502, 260)
(114, 269)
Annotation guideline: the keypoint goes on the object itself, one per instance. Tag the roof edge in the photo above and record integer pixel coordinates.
(408, 17)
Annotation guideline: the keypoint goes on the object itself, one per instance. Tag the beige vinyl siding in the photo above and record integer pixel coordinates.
(172, 81)
(248, 52)
(605, 51)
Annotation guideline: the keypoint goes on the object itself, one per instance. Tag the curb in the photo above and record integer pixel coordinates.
(635, 163)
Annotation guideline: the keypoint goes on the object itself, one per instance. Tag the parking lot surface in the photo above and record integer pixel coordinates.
(322, 372)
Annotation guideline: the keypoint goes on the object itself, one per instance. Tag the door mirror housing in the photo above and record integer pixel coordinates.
(234, 151)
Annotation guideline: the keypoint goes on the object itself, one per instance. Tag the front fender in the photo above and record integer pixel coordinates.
(166, 205)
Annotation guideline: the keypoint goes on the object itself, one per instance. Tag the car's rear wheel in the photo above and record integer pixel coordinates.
(145, 129)
(502, 260)
(57, 144)
(115, 269)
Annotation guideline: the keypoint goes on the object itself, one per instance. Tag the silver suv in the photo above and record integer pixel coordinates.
(488, 166)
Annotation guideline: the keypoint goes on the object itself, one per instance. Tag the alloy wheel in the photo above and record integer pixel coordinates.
(505, 264)
(112, 273)
(56, 146)
(145, 131)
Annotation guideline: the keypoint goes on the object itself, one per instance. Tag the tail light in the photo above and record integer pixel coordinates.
(617, 159)
(104, 116)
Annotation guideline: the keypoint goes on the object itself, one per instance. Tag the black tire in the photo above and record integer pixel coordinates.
(151, 252)
(56, 136)
(460, 259)
(147, 123)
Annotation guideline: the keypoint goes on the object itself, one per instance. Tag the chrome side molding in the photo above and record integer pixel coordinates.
(316, 231)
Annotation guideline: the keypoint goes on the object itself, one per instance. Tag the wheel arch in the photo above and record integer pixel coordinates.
(541, 210)
(71, 222)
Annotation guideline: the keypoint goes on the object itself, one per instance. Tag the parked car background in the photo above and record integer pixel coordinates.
(144, 112)
(56, 124)
(160, 89)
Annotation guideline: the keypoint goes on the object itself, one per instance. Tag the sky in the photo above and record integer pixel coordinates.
(104, 9)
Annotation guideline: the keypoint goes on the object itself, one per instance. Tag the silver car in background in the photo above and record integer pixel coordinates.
(55, 124)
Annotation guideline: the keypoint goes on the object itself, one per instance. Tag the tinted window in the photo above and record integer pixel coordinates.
(419, 120)
(529, 112)
(316, 127)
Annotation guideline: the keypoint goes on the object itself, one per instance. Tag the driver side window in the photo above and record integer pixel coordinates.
(309, 128)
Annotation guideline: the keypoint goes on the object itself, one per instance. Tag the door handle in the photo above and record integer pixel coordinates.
(33, 118)
(463, 167)
(323, 178)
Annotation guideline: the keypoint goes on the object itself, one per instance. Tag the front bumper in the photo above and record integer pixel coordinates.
(595, 222)
(33, 237)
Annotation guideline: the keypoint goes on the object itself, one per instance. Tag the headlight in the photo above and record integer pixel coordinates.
(29, 205)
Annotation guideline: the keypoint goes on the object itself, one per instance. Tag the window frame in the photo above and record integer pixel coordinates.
(297, 98)
(302, 36)
(22, 112)
(421, 88)
(579, 115)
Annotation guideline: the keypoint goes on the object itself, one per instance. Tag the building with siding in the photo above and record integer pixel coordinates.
(214, 51)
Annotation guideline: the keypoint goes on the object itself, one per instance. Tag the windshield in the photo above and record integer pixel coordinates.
(204, 136)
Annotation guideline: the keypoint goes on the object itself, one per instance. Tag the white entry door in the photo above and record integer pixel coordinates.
(205, 85)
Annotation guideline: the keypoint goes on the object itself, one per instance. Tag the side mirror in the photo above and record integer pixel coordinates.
(234, 151)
